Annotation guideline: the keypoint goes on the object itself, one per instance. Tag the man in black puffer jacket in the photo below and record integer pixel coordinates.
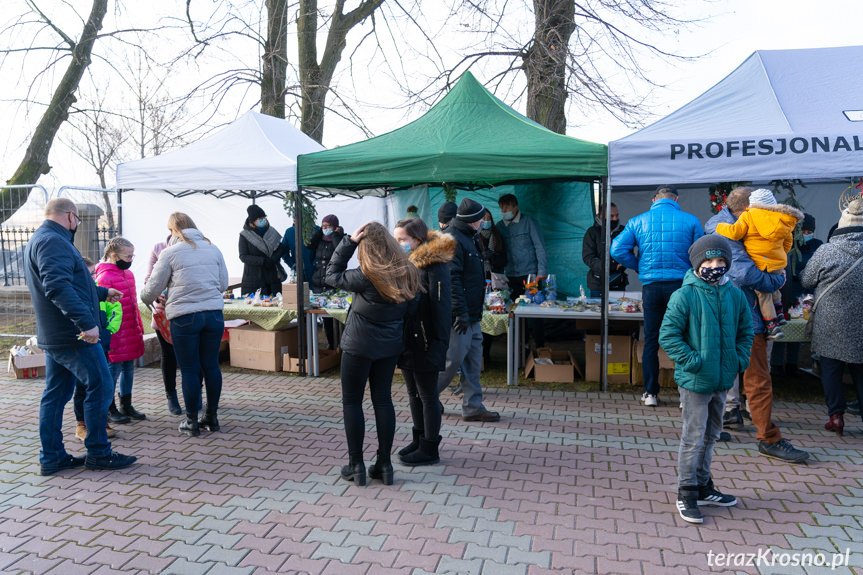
(468, 294)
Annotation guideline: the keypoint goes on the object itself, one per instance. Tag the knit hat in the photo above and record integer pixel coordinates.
(470, 211)
(852, 215)
(707, 247)
(332, 220)
(762, 196)
(446, 212)
(255, 212)
(808, 223)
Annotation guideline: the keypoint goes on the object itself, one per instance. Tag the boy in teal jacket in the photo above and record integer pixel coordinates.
(707, 331)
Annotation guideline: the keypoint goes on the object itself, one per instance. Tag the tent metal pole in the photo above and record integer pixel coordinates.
(120, 212)
(605, 192)
(298, 262)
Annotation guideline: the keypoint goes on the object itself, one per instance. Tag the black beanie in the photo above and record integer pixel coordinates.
(255, 212)
(808, 223)
(470, 211)
(446, 212)
(707, 247)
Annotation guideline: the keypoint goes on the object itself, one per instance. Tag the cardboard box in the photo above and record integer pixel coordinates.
(289, 296)
(253, 347)
(561, 370)
(327, 360)
(29, 366)
(666, 366)
(619, 358)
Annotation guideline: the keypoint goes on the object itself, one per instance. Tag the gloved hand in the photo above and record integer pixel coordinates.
(460, 324)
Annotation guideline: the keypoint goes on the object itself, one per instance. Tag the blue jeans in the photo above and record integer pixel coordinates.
(655, 298)
(196, 338)
(465, 352)
(63, 367)
(702, 422)
(124, 372)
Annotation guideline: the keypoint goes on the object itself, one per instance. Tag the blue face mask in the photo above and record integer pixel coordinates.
(262, 223)
(507, 216)
(406, 247)
(327, 231)
(808, 238)
(486, 224)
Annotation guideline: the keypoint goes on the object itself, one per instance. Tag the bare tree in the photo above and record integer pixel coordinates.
(274, 61)
(35, 162)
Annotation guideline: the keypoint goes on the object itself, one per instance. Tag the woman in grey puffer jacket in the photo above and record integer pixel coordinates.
(195, 274)
(836, 337)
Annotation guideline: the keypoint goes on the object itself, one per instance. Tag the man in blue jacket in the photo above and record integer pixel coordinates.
(663, 236)
(68, 322)
(756, 379)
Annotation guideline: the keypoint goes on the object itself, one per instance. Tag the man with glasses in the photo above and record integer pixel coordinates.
(68, 320)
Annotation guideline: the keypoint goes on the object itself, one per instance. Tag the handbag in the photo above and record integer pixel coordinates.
(810, 323)
(163, 325)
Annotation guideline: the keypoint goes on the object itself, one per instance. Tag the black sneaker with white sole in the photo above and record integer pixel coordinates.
(709, 495)
(783, 451)
(687, 505)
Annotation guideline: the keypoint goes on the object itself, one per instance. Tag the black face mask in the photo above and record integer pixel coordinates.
(614, 224)
(123, 264)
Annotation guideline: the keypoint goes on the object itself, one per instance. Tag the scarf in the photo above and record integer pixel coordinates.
(267, 244)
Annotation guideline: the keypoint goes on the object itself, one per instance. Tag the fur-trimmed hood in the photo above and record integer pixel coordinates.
(438, 248)
(774, 222)
(780, 208)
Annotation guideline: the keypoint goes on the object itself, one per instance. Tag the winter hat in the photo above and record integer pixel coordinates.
(255, 212)
(707, 247)
(470, 211)
(331, 219)
(852, 215)
(762, 196)
(808, 223)
(446, 212)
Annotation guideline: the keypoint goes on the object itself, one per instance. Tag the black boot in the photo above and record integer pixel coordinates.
(127, 409)
(413, 445)
(115, 416)
(382, 469)
(354, 471)
(209, 421)
(190, 425)
(174, 402)
(427, 454)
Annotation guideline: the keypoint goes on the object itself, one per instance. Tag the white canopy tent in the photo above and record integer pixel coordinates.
(782, 114)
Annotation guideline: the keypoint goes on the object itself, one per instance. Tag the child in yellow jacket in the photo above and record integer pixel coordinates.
(767, 231)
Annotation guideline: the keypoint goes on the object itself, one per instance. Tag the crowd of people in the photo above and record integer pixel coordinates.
(711, 301)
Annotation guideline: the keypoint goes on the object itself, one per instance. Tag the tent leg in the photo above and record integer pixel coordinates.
(298, 238)
(605, 190)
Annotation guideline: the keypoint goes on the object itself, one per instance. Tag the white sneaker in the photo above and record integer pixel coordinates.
(649, 400)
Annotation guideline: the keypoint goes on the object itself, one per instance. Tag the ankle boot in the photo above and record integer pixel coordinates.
(110, 431)
(115, 416)
(190, 425)
(209, 421)
(382, 469)
(354, 471)
(127, 409)
(413, 445)
(174, 402)
(836, 423)
(427, 454)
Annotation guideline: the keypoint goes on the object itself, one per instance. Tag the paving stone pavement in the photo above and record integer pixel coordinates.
(564, 483)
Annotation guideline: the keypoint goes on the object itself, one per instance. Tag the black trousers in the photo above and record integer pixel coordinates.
(169, 364)
(424, 401)
(831, 378)
(356, 371)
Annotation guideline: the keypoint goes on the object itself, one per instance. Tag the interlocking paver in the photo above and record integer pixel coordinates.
(568, 482)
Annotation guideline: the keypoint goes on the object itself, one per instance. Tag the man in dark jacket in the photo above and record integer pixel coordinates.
(468, 295)
(593, 254)
(68, 323)
(756, 380)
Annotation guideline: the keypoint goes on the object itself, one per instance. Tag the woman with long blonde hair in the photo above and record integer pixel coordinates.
(382, 287)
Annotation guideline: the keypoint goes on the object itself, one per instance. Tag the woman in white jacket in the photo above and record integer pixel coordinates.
(194, 272)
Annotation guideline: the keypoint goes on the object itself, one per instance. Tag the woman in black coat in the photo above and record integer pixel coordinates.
(431, 253)
(493, 261)
(372, 343)
(260, 251)
(323, 244)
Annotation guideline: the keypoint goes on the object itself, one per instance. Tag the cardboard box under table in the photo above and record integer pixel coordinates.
(28, 366)
(619, 358)
(666, 366)
(253, 347)
(327, 359)
(556, 366)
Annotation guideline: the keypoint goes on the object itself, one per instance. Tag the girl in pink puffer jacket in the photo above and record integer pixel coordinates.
(127, 344)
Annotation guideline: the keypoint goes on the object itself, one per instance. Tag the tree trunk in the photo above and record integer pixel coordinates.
(545, 63)
(35, 161)
(275, 60)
